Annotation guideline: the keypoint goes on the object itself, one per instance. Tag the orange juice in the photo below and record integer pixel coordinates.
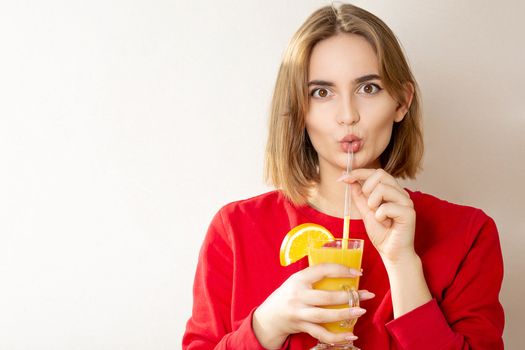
(332, 252)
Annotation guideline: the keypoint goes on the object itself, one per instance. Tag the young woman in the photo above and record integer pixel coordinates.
(432, 270)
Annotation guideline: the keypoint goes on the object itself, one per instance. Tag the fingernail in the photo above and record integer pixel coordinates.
(350, 337)
(358, 312)
(343, 177)
(355, 272)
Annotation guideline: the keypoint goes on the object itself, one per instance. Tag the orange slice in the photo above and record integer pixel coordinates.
(295, 243)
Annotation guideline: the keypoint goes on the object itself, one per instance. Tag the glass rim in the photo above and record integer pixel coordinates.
(354, 243)
(335, 239)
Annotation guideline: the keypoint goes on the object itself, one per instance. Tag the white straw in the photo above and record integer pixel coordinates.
(348, 197)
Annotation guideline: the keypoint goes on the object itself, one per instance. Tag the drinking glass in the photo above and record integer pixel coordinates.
(332, 251)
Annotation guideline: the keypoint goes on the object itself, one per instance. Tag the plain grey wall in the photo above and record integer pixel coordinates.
(125, 125)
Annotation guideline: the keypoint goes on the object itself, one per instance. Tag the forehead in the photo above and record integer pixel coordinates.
(342, 57)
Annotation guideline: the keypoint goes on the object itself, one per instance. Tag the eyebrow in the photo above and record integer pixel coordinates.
(357, 80)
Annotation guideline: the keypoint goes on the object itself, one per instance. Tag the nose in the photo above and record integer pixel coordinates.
(347, 113)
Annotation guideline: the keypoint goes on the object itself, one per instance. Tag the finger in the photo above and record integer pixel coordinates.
(365, 295)
(398, 213)
(360, 200)
(386, 193)
(371, 223)
(381, 176)
(317, 272)
(320, 333)
(369, 178)
(323, 297)
(357, 175)
(320, 315)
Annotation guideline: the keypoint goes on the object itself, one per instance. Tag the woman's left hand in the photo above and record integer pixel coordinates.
(387, 211)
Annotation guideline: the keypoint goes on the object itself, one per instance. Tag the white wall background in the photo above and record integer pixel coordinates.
(125, 125)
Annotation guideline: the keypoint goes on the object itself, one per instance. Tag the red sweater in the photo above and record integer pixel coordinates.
(459, 247)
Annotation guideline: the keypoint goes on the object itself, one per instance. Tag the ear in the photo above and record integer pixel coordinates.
(402, 108)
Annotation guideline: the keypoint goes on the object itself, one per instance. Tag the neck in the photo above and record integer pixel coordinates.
(329, 196)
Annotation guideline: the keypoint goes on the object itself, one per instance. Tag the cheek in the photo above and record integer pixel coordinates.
(315, 129)
(379, 121)
(319, 131)
(380, 114)
(382, 132)
(380, 107)
(315, 122)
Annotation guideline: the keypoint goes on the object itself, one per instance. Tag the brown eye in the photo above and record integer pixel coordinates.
(369, 89)
(320, 93)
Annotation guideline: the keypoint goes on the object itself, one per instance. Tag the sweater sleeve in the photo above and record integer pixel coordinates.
(470, 315)
(210, 325)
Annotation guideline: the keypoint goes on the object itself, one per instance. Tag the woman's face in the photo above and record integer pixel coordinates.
(348, 105)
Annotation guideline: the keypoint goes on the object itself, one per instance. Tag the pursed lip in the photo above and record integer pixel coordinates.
(352, 142)
(350, 138)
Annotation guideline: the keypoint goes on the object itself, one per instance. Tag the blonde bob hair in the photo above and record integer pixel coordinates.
(292, 163)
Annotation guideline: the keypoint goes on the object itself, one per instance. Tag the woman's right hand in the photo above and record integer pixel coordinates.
(294, 308)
